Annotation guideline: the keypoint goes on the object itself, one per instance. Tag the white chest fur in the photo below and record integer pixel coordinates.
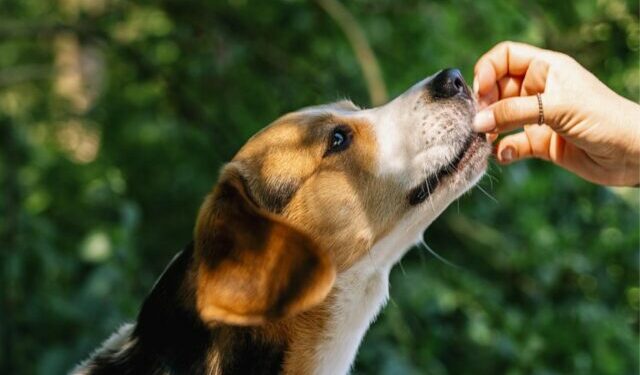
(360, 294)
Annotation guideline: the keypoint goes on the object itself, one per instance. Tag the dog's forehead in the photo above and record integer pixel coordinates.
(287, 150)
(288, 134)
(295, 139)
(292, 152)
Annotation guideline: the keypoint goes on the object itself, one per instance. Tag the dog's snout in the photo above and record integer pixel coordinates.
(448, 83)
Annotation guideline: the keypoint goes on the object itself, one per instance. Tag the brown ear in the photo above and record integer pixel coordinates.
(251, 266)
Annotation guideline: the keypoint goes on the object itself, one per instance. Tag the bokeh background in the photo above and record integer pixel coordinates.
(115, 117)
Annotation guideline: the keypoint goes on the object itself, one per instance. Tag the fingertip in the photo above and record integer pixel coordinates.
(513, 113)
(512, 148)
(507, 155)
(484, 121)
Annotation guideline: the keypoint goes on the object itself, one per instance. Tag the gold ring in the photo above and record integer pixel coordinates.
(540, 110)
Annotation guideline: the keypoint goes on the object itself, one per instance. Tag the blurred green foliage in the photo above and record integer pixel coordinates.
(115, 117)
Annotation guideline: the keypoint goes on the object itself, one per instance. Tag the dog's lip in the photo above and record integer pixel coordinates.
(421, 192)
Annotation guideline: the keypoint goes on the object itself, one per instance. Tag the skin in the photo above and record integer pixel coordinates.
(588, 129)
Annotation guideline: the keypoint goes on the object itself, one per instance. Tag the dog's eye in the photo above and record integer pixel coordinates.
(339, 140)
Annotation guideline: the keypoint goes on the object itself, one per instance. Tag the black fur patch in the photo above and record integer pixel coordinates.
(248, 355)
(171, 339)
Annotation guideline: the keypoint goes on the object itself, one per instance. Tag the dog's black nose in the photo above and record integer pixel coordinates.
(448, 83)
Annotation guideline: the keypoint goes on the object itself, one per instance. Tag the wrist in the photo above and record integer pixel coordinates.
(631, 157)
(630, 121)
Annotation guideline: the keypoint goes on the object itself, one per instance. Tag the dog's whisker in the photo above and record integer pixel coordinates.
(423, 258)
(393, 302)
(492, 165)
(430, 198)
(487, 194)
(402, 268)
(433, 208)
(440, 258)
(491, 179)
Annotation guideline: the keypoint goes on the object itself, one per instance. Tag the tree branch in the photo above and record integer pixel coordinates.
(358, 40)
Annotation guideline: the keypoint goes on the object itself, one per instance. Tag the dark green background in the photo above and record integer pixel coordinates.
(100, 189)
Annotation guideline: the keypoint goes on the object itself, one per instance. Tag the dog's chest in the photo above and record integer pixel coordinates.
(359, 295)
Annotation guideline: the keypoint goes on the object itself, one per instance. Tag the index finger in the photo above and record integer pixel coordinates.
(505, 59)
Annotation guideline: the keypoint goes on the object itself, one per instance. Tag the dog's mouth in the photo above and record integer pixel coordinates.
(421, 192)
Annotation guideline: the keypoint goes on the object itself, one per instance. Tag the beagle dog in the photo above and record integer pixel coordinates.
(292, 249)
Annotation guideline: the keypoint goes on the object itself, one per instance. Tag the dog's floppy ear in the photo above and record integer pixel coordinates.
(251, 266)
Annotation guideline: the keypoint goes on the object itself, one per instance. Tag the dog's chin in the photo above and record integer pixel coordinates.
(472, 165)
(462, 173)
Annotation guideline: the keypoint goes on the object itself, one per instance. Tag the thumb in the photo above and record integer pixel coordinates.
(507, 114)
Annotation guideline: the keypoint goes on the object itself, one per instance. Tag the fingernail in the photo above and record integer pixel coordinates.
(484, 121)
(476, 85)
(507, 154)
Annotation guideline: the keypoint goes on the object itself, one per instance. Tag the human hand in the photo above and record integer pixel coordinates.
(588, 129)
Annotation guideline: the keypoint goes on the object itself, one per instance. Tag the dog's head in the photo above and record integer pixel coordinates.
(311, 194)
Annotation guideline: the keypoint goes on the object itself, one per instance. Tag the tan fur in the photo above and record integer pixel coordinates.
(328, 210)
(252, 267)
(338, 203)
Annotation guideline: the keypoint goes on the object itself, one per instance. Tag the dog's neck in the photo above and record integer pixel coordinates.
(357, 297)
